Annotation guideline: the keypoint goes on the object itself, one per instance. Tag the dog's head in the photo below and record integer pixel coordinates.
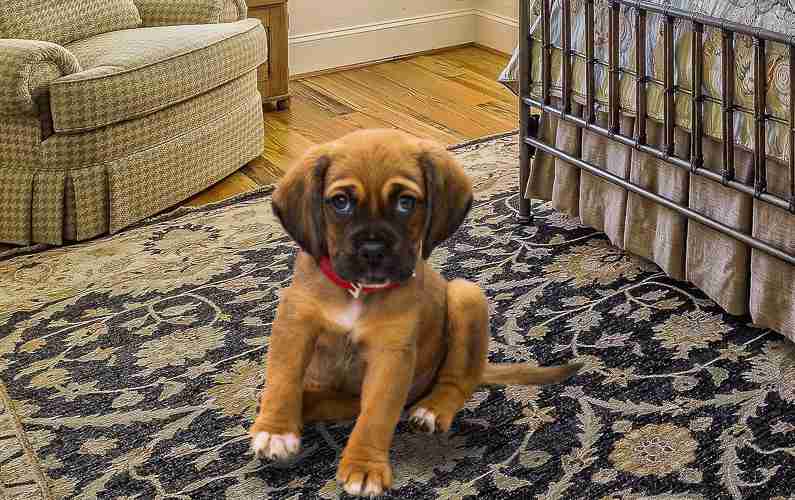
(374, 202)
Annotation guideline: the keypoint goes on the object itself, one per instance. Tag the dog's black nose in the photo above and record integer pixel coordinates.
(372, 251)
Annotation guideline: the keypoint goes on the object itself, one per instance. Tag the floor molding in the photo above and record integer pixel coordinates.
(350, 46)
(311, 74)
(355, 46)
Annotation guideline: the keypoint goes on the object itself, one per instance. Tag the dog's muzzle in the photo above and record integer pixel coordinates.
(372, 252)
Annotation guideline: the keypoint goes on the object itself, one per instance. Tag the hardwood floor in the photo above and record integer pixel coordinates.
(451, 96)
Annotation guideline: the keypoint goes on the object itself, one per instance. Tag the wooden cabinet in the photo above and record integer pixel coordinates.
(273, 78)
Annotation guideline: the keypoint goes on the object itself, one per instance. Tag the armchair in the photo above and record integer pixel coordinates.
(171, 13)
(114, 110)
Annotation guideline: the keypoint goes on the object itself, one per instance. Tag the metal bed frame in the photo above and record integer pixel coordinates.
(529, 124)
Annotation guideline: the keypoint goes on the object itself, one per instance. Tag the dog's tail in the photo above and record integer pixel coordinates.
(524, 374)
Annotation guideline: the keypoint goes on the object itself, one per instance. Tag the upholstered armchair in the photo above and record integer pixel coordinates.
(114, 110)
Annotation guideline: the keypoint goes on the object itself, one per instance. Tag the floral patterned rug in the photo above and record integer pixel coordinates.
(130, 368)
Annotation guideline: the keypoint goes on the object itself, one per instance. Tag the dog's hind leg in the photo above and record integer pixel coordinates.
(465, 361)
(326, 406)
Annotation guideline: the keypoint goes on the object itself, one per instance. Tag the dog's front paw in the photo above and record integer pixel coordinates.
(275, 446)
(423, 420)
(430, 420)
(364, 478)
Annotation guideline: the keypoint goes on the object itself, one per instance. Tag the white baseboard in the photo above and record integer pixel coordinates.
(496, 31)
(372, 42)
(378, 41)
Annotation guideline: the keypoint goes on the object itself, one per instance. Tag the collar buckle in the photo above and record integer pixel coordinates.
(355, 290)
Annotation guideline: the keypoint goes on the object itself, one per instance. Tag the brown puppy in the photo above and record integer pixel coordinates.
(367, 327)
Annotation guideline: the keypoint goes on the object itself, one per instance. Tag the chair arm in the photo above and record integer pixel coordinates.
(171, 13)
(27, 67)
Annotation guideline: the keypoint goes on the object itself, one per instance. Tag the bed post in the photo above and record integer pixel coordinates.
(641, 76)
(614, 71)
(727, 99)
(792, 128)
(525, 215)
(697, 101)
(669, 114)
(760, 112)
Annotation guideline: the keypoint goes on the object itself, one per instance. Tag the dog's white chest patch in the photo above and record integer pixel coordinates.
(348, 317)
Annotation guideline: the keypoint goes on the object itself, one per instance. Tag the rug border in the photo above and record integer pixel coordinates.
(178, 212)
(29, 454)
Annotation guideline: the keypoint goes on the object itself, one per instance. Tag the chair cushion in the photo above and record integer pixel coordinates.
(64, 21)
(132, 73)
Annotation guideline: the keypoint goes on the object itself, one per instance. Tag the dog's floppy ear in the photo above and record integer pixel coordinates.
(448, 194)
(298, 202)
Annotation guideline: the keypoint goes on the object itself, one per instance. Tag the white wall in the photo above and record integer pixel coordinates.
(498, 24)
(313, 16)
(507, 8)
(332, 34)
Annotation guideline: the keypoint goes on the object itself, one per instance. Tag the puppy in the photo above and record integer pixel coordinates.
(367, 327)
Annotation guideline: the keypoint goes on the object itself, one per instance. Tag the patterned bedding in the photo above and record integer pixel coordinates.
(774, 15)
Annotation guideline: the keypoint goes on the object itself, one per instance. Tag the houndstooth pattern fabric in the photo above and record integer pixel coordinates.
(121, 67)
(111, 143)
(55, 187)
(91, 201)
(119, 192)
(226, 143)
(64, 21)
(234, 10)
(107, 148)
(177, 12)
(27, 67)
(47, 207)
(69, 211)
(16, 187)
(20, 139)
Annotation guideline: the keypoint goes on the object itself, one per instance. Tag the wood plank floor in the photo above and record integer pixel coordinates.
(451, 96)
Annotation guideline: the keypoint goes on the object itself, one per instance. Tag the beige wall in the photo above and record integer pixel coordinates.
(498, 24)
(507, 8)
(332, 34)
(313, 16)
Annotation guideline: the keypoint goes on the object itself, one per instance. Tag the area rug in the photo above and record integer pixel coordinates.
(130, 368)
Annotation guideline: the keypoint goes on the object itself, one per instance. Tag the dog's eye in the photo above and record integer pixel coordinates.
(406, 204)
(342, 204)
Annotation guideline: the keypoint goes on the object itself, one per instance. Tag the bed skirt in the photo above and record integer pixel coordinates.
(740, 279)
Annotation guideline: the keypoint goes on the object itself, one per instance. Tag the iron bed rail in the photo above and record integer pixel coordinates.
(695, 165)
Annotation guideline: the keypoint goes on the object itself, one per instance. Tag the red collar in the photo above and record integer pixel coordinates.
(354, 288)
